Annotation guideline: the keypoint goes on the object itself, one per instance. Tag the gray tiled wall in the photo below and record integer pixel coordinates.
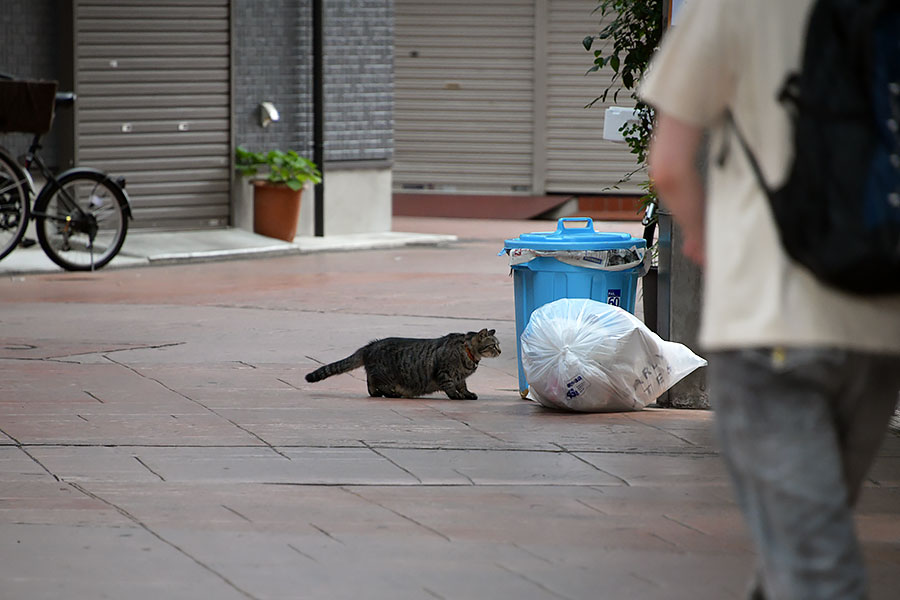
(273, 61)
(359, 79)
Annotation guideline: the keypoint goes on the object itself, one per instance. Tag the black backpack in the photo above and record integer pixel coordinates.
(838, 212)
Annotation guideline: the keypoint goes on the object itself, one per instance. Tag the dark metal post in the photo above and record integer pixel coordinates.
(665, 233)
(319, 114)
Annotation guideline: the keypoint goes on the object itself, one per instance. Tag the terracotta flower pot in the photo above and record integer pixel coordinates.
(276, 210)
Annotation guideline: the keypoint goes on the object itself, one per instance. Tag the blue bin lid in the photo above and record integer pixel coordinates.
(579, 236)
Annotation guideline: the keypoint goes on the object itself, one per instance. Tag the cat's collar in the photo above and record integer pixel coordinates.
(471, 356)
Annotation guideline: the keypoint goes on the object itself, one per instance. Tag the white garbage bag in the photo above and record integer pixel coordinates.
(587, 356)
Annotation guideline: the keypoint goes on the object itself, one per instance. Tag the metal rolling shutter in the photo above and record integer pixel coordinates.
(464, 95)
(153, 85)
(579, 160)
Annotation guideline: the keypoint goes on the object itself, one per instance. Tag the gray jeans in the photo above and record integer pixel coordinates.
(799, 429)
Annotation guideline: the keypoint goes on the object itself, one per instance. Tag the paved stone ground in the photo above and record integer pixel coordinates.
(158, 440)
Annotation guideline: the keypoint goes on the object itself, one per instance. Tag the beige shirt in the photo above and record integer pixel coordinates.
(734, 53)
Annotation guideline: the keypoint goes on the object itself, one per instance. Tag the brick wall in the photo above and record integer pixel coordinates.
(273, 61)
(359, 80)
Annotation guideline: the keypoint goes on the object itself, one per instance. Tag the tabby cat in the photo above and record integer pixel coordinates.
(411, 367)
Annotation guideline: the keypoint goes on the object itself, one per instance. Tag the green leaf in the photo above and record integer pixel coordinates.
(285, 167)
(587, 42)
(630, 33)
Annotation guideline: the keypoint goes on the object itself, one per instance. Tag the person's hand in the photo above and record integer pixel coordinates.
(673, 170)
(694, 248)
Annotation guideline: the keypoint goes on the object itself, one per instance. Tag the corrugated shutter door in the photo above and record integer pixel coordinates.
(579, 160)
(464, 95)
(153, 105)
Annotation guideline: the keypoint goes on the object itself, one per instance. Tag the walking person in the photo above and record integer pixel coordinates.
(803, 377)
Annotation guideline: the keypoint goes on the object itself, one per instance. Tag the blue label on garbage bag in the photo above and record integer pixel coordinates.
(576, 386)
(614, 297)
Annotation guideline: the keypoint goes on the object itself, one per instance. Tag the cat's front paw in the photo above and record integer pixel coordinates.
(470, 396)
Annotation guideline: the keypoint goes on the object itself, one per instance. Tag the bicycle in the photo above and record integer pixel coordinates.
(81, 215)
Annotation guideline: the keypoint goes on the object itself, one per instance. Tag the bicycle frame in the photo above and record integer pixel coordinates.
(32, 157)
(24, 177)
(75, 215)
(73, 209)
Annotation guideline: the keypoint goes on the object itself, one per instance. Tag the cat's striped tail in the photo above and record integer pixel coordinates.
(353, 361)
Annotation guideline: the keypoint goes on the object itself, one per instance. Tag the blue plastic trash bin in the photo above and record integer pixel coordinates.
(572, 262)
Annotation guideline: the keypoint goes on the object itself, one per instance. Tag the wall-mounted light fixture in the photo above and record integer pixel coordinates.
(267, 113)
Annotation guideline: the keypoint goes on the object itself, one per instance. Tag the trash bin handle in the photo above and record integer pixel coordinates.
(588, 228)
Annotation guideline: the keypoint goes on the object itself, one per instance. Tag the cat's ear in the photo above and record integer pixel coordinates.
(492, 331)
(483, 332)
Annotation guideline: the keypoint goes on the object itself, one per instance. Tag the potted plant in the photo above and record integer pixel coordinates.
(278, 178)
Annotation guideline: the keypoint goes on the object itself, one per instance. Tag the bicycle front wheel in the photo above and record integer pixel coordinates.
(81, 223)
(13, 205)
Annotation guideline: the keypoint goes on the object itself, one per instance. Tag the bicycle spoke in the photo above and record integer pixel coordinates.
(13, 206)
(82, 224)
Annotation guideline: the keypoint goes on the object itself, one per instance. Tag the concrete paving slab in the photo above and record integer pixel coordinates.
(306, 466)
(327, 512)
(375, 426)
(50, 502)
(498, 467)
(559, 528)
(367, 567)
(123, 562)
(92, 463)
(17, 465)
(659, 470)
(554, 430)
(126, 429)
(397, 542)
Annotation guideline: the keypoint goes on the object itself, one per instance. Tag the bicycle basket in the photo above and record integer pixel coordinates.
(27, 106)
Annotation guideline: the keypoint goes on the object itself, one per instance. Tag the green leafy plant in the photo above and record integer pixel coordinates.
(628, 40)
(279, 167)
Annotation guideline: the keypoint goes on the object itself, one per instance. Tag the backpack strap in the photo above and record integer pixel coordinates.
(731, 124)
